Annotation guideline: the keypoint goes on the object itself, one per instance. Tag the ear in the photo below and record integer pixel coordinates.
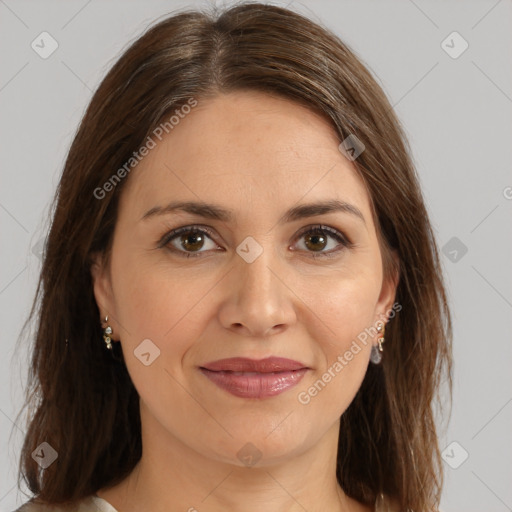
(102, 288)
(388, 291)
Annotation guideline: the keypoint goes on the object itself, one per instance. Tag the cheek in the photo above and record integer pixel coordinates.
(171, 313)
(152, 303)
(168, 311)
(346, 311)
(355, 308)
(344, 308)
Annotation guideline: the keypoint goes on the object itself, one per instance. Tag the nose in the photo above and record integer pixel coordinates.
(258, 300)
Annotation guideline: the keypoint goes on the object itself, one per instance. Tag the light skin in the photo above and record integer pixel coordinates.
(258, 156)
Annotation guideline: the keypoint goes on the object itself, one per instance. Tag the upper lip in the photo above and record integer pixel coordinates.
(243, 364)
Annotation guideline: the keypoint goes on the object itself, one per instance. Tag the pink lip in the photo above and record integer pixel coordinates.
(250, 378)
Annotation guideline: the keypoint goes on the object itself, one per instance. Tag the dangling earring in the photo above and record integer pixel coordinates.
(106, 334)
(376, 353)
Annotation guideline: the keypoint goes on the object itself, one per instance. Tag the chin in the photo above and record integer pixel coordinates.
(261, 446)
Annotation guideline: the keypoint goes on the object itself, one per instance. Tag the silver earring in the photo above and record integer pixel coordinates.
(376, 353)
(106, 335)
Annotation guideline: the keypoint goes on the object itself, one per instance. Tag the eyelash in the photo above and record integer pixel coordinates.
(316, 229)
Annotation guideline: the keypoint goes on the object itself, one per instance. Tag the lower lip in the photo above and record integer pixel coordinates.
(255, 385)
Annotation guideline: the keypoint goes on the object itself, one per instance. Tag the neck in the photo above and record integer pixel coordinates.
(172, 476)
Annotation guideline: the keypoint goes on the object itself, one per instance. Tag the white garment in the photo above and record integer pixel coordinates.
(103, 505)
(90, 504)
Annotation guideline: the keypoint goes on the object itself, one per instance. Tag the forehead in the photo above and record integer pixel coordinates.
(246, 149)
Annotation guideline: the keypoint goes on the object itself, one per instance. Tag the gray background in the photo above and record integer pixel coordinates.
(457, 115)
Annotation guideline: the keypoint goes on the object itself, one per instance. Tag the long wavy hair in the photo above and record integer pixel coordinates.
(83, 403)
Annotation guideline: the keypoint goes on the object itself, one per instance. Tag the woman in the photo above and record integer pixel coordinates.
(242, 306)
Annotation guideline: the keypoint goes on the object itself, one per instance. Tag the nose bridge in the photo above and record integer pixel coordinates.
(258, 298)
(256, 267)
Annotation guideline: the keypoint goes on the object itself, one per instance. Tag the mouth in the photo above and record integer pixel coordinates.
(244, 364)
(250, 378)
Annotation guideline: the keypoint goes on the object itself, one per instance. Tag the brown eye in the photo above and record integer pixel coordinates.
(317, 239)
(188, 240)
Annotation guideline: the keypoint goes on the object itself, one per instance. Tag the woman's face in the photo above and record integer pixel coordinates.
(259, 283)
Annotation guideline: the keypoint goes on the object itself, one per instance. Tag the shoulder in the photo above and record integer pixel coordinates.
(89, 504)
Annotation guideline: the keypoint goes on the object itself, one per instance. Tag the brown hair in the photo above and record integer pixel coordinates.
(84, 403)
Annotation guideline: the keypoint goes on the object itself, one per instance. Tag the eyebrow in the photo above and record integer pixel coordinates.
(215, 212)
